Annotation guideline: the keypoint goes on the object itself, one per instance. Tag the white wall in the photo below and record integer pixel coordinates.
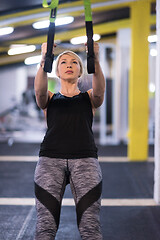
(13, 82)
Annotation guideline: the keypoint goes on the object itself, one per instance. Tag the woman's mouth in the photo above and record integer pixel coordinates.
(69, 71)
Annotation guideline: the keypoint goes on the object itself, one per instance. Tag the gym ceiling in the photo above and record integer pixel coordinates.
(108, 17)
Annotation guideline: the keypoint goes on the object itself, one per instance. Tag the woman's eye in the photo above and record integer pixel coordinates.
(63, 62)
(75, 62)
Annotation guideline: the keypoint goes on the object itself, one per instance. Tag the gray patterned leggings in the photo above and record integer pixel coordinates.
(85, 178)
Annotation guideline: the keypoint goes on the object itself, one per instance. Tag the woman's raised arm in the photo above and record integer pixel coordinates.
(98, 82)
(41, 82)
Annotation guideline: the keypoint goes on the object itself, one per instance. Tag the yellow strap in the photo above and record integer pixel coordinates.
(52, 5)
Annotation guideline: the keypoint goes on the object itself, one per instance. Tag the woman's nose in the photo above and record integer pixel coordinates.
(69, 66)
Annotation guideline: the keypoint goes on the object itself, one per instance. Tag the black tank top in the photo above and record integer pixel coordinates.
(69, 134)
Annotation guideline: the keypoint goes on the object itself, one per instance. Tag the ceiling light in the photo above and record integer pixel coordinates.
(152, 87)
(41, 24)
(83, 39)
(152, 38)
(33, 60)
(21, 49)
(6, 30)
(153, 52)
(58, 22)
(64, 20)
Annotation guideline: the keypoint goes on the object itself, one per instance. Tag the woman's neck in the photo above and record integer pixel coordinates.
(69, 89)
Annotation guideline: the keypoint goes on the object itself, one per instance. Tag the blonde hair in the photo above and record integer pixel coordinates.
(68, 52)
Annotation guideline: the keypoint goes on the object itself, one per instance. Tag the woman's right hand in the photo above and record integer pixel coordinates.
(44, 51)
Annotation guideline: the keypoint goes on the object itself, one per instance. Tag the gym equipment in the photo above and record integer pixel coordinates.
(51, 33)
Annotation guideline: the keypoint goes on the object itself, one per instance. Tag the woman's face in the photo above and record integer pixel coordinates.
(68, 68)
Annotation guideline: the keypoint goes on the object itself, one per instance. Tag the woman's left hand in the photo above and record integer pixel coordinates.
(96, 51)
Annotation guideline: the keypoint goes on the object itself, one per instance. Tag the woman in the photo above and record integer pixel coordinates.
(68, 153)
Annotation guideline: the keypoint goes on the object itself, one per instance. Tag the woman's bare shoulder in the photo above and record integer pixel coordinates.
(50, 95)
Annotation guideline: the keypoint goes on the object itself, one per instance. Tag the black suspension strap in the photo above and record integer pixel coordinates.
(51, 32)
(89, 32)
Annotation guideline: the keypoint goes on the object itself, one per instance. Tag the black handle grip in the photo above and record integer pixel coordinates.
(50, 43)
(48, 63)
(90, 54)
(90, 64)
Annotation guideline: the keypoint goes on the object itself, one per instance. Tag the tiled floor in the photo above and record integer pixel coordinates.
(122, 180)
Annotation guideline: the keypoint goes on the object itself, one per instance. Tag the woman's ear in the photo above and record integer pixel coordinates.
(57, 73)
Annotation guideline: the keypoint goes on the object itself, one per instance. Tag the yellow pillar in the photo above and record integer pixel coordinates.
(138, 83)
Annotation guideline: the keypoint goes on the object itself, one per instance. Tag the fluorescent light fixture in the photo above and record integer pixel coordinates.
(41, 24)
(64, 20)
(21, 49)
(33, 60)
(152, 87)
(6, 30)
(83, 39)
(58, 22)
(153, 52)
(152, 38)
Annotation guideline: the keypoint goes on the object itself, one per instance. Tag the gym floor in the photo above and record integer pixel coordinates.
(128, 210)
